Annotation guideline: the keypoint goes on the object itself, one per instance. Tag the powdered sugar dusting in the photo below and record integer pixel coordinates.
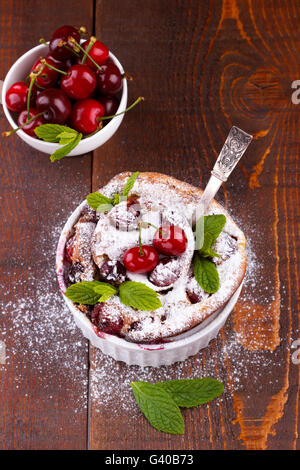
(40, 334)
(160, 201)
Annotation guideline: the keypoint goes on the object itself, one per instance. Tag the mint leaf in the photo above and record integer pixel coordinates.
(116, 199)
(158, 407)
(209, 253)
(206, 251)
(65, 137)
(130, 183)
(99, 202)
(63, 151)
(105, 290)
(83, 292)
(51, 132)
(139, 296)
(192, 392)
(206, 274)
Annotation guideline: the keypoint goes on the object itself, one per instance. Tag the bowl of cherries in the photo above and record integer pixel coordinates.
(67, 96)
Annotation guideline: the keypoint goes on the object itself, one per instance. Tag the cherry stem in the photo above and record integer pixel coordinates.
(82, 30)
(43, 61)
(140, 98)
(159, 229)
(8, 133)
(43, 41)
(32, 82)
(140, 240)
(91, 43)
(65, 44)
(85, 52)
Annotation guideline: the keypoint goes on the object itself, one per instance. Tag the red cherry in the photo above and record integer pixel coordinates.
(48, 77)
(101, 319)
(61, 35)
(16, 97)
(85, 114)
(80, 83)
(23, 118)
(63, 65)
(110, 104)
(109, 80)
(170, 240)
(98, 52)
(56, 104)
(137, 263)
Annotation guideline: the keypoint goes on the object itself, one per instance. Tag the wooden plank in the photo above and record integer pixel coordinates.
(44, 381)
(203, 66)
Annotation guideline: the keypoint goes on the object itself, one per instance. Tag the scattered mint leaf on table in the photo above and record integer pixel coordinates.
(160, 402)
(206, 274)
(192, 392)
(139, 296)
(158, 407)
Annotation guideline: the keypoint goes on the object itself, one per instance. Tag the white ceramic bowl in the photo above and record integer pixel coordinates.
(178, 349)
(20, 70)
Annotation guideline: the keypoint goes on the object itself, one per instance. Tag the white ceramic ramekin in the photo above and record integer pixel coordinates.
(178, 349)
(20, 70)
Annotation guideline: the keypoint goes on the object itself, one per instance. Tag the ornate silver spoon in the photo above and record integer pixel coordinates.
(232, 151)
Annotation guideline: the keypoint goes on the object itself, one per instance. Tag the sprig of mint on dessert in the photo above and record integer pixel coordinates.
(161, 402)
(63, 135)
(101, 203)
(132, 294)
(205, 270)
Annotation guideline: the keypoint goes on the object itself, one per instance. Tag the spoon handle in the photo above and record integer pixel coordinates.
(232, 151)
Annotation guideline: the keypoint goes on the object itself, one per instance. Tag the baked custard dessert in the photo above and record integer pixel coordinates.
(143, 266)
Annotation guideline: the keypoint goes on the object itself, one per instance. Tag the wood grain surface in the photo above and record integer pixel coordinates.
(202, 66)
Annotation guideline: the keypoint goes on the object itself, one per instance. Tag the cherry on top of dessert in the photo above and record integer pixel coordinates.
(140, 259)
(170, 240)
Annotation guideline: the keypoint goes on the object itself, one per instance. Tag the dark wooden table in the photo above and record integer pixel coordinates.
(202, 66)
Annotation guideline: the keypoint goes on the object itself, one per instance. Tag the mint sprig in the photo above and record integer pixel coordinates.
(206, 274)
(101, 203)
(130, 183)
(158, 407)
(192, 392)
(66, 136)
(51, 132)
(160, 402)
(208, 228)
(139, 296)
(105, 290)
(84, 292)
(66, 149)
(133, 294)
